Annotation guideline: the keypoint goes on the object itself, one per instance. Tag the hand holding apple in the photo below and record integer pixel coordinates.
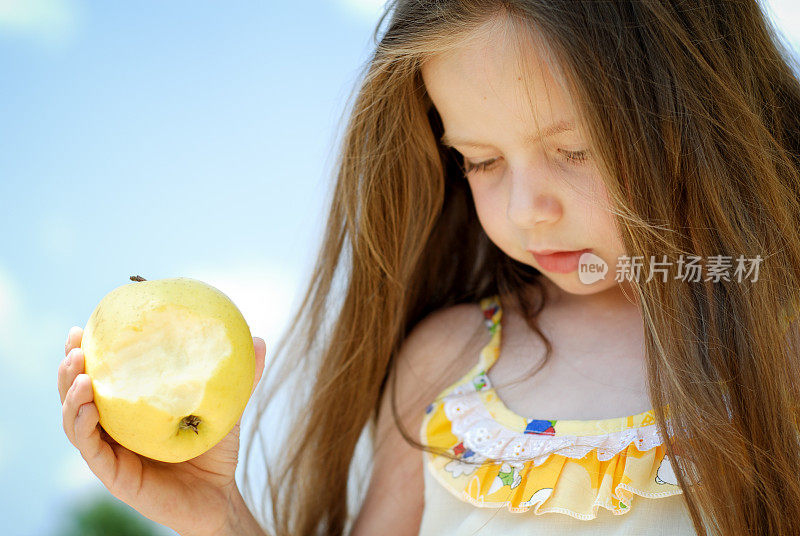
(192, 497)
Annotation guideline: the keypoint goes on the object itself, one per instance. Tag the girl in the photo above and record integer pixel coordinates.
(498, 387)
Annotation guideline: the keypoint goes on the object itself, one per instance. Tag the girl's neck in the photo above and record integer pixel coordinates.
(621, 298)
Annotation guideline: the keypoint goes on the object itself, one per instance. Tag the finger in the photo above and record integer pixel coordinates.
(261, 351)
(79, 393)
(98, 454)
(74, 336)
(68, 370)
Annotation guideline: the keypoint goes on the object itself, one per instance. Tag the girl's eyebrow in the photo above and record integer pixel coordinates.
(550, 130)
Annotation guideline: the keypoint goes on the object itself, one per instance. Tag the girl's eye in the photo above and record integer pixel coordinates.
(574, 157)
(479, 167)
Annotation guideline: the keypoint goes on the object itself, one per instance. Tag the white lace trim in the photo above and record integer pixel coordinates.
(481, 433)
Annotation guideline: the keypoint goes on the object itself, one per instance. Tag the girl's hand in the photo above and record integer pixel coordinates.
(191, 497)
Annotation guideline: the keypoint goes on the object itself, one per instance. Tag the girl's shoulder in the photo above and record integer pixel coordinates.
(502, 459)
(436, 352)
(440, 349)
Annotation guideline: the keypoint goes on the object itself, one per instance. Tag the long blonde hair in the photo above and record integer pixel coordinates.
(693, 112)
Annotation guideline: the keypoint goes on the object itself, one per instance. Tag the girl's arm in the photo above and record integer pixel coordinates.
(240, 520)
(396, 495)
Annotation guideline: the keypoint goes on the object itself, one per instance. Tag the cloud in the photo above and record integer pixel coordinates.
(49, 22)
(15, 323)
(27, 349)
(10, 302)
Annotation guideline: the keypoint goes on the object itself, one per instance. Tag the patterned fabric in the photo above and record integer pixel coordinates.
(572, 467)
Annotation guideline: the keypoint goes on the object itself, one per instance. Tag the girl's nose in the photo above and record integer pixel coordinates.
(530, 202)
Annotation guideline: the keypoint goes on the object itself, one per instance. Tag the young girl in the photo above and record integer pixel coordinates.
(645, 382)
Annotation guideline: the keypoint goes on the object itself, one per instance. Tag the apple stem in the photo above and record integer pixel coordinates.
(137, 278)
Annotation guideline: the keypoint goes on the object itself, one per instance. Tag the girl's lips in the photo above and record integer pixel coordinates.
(562, 262)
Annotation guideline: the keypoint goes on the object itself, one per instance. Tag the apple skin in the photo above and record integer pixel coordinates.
(172, 365)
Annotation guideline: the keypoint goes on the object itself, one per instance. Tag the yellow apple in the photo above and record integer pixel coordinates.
(172, 365)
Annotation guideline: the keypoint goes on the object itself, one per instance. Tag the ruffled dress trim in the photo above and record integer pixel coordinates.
(572, 467)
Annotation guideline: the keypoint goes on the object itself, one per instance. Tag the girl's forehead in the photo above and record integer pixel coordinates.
(489, 68)
(496, 60)
(485, 84)
(499, 49)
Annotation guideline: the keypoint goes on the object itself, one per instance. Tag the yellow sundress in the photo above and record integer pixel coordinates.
(537, 477)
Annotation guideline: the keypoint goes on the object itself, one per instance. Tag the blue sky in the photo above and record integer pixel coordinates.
(162, 139)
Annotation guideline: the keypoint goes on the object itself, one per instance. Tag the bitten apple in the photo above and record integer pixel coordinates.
(172, 365)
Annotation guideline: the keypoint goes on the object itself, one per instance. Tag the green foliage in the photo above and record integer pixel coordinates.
(107, 516)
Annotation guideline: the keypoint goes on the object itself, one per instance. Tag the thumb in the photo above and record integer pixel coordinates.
(261, 351)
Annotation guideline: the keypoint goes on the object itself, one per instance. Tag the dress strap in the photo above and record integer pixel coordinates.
(492, 314)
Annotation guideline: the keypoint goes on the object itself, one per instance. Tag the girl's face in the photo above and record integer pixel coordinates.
(534, 187)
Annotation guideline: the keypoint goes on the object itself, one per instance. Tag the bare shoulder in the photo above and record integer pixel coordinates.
(430, 359)
(444, 339)
(439, 350)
